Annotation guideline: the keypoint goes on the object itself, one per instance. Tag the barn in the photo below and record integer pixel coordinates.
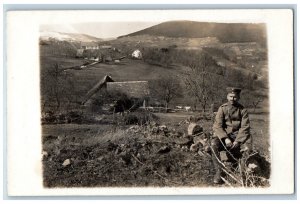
(137, 91)
(133, 89)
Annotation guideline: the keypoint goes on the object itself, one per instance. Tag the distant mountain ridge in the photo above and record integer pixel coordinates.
(225, 32)
(46, 35)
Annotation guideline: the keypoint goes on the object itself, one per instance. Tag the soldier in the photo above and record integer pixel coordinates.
(231, 131)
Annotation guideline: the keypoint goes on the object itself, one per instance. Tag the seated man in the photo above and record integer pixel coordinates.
(231, 131)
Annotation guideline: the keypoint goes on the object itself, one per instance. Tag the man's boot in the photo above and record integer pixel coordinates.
(217, 176)
(215, 155)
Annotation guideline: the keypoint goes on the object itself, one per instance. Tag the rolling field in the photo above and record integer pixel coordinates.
(127, 70)
(47, 62)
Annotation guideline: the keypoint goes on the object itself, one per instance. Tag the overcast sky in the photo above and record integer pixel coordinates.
(100, 30)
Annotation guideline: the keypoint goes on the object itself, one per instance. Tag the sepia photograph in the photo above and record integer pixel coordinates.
(140, 102)
(142, 109)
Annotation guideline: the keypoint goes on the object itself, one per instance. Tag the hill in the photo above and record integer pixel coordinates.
(47, 35)
(225, 32)
(244, 57)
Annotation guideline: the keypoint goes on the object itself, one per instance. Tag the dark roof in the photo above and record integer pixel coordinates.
(135, 89)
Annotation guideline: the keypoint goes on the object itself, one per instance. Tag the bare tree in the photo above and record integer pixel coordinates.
(57, 87)
(251, 100)
(166, 89)
(255, 103)
(201, 84)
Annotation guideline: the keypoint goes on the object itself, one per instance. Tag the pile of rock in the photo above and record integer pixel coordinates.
(196, 140)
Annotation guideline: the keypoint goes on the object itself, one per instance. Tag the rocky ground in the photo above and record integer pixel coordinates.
(127, 156)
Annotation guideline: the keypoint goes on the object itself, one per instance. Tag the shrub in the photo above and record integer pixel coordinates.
(139, 118)
(131, 119)
(74, 117)
(48, 118)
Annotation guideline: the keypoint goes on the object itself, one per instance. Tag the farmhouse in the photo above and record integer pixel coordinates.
(105, 47)
(136, 90)
(104, 53)
(87, 50)
(89, 46)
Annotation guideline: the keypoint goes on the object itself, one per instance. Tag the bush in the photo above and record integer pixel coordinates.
(139, 118)
(74, 117)
(60, 118)
(48, 118)
(131, 119)
(118, 102)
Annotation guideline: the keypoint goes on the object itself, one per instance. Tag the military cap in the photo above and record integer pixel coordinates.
(234, 90)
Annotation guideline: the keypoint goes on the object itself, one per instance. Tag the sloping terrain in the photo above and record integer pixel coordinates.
(46, 35)
(226, 32)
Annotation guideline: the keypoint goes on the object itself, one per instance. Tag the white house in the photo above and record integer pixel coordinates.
(137, 54)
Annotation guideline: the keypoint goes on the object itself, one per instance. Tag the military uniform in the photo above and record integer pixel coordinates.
(232, 122)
